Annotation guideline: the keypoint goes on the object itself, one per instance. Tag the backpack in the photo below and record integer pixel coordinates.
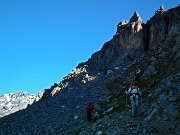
(90, 108)
(135, 94)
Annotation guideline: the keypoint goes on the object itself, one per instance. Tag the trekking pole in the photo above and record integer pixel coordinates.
(126, 102)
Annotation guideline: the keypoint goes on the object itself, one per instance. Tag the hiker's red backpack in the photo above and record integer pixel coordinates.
(90, 108)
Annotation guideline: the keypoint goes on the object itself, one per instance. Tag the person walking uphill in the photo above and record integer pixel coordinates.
(135, 95)
(138, 73)
(90, 109)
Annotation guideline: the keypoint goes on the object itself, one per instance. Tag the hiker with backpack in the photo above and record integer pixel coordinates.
(90, 109)
(135, 97)
(138, 73)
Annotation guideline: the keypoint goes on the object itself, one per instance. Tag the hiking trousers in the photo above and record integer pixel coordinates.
(137, 78)
(134, 105)
(89, 115)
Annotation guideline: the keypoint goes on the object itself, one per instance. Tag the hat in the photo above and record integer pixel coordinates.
(134, 85)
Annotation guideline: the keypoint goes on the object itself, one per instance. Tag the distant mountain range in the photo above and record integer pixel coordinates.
(10, 103)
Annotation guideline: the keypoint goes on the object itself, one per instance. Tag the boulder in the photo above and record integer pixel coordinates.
(172, 99)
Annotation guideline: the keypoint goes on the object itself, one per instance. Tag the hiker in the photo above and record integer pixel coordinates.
(90, 109)
(135, 97)
(138, 73)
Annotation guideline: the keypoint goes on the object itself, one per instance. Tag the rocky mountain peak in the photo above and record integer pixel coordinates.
(122, 25)
(135, 18)
(161, 7)
(160, 10)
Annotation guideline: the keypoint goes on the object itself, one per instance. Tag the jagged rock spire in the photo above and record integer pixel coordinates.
(121, 25)
(160, 10)
(135, 17)
(161, 7)
(123, 22)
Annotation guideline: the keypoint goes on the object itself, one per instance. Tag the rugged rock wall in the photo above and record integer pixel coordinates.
(134, 38)
(162, 24)
(127, 44)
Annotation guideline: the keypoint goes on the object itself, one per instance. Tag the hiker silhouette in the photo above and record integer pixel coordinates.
(137, 74)
(135, 95)
(90, 109)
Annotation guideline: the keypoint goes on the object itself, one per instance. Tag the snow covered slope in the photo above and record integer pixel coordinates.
(10, 103)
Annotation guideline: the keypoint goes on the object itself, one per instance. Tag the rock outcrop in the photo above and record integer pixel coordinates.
(162, 24)
(134, 38)
(127, 44)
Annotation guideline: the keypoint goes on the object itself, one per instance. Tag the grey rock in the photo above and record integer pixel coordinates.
(172, 99)
(135, 18)
(165, 117)
(99, 133)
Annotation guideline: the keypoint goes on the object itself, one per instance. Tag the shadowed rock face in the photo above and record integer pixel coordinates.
(162, 24)
(134, 38)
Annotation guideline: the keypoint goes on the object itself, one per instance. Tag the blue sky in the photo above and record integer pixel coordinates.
(43, 40)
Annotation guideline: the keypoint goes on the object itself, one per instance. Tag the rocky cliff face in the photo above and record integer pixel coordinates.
(105, 77)
(134, 38)
(127, 44)
(162, 24)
